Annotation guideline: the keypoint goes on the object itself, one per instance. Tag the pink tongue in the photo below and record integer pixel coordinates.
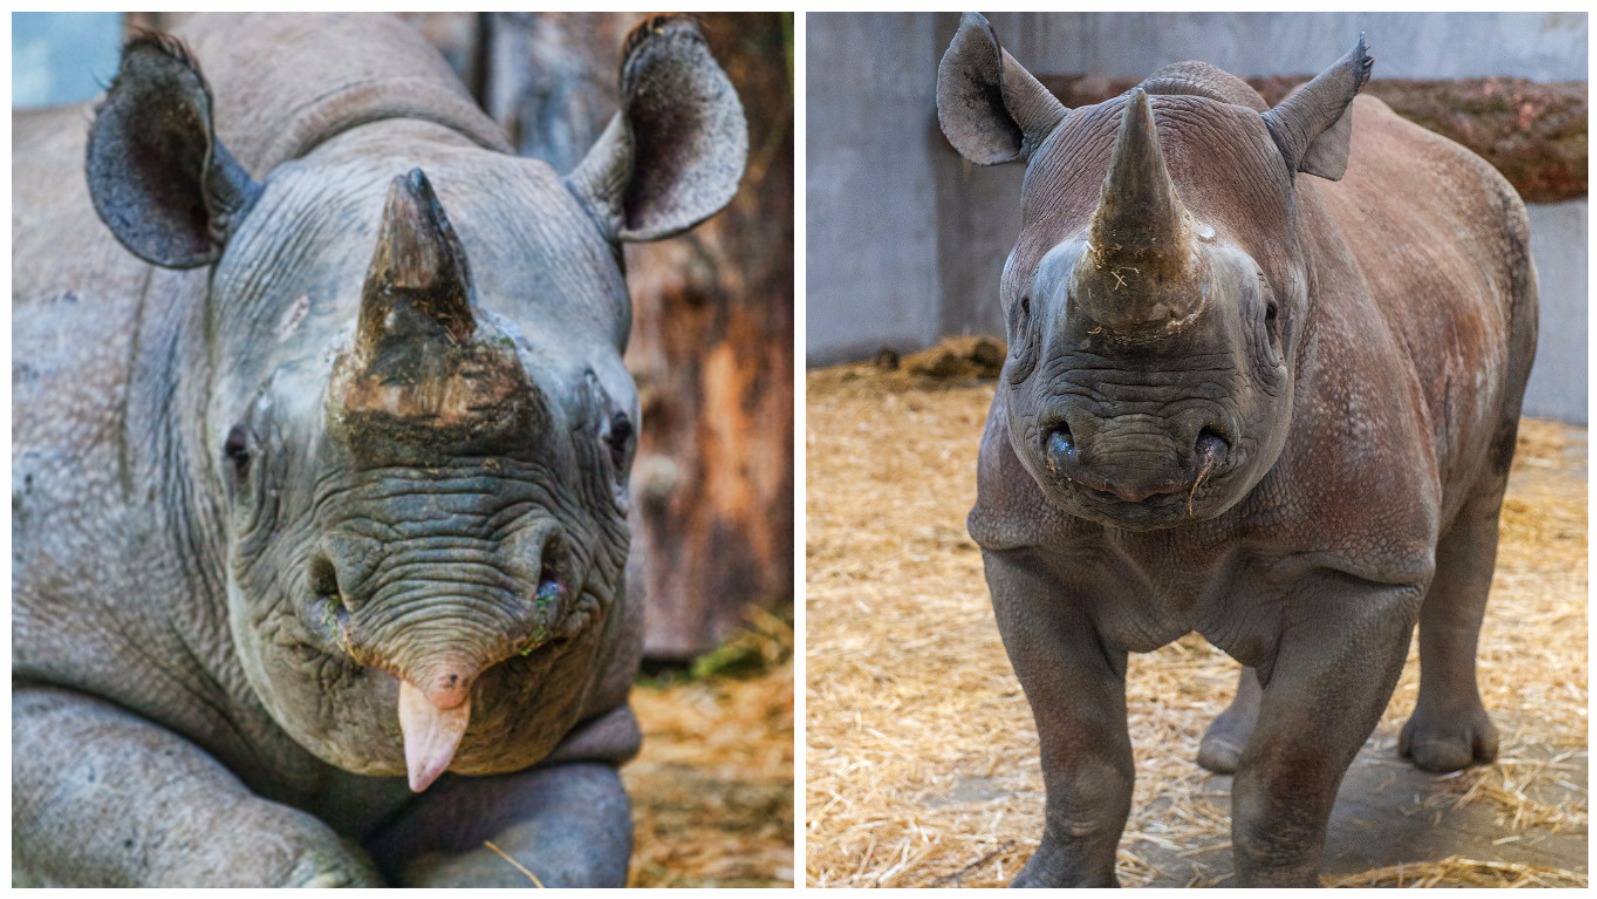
(431, 734)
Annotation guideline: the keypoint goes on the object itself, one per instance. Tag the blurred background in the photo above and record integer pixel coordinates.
(712, 351)
(712, 334)
(907, 239)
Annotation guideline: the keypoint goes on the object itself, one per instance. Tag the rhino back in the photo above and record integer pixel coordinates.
(285, 83)
(1442, 241)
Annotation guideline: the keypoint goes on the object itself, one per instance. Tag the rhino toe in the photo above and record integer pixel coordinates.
(1219, 753)
(1441, 748)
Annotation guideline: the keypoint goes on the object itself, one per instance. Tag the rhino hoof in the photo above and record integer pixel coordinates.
(1219, 754)
(1440, 750)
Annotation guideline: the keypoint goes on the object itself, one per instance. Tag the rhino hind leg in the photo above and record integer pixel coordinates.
(567, 825)
(1228, 736)
(1449, 729)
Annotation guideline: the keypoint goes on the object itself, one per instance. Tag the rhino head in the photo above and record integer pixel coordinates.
(1156, 298)
(419, 426)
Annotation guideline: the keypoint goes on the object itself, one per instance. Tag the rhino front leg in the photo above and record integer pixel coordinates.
(1333, 672)
(570, 825)
(1077, 690)
(102, 797)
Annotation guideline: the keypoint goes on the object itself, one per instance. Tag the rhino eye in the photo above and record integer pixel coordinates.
(620, 440)
(1272, 324)
(237, 450)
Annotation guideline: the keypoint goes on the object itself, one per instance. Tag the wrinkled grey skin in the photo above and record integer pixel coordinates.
(332, 401)
(1265, 375)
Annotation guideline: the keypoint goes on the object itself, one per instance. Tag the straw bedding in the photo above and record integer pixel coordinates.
(712, 789)
(922, 758)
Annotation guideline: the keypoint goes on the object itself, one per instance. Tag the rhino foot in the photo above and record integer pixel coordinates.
(1223, 743)
(1219, 753)
(322, 867)
(1442, 743)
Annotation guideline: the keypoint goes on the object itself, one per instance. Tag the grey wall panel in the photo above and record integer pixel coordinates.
(871, 225)
(1543, 46)
(1558, 244)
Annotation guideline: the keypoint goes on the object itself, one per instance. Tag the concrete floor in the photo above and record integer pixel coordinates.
(1388, 813)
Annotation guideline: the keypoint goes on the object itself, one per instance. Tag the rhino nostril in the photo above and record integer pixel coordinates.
(1209, 448)
(324, 580)
(1061, 446)
(552, 574)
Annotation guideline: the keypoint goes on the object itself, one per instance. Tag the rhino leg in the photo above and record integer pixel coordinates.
(570, 825)
(102, 797)
(1226, 738)
(1449, 729)
(1077, 690)
(1332, 674)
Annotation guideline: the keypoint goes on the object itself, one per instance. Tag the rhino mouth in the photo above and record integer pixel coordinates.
(1194, 493)
(1163, 510)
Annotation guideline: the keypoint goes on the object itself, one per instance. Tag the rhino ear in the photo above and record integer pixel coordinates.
(159, 178)
(1314, 126)
(674, 154)
(991, 109)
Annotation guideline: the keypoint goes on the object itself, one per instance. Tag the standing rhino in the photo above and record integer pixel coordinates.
(321, 446)
(1245, 401)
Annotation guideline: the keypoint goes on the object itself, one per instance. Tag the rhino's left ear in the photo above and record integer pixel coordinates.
(1314, 126)
(159, 178)
(991, 109)
(673, 156)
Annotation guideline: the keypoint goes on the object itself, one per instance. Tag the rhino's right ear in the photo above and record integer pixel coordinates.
(1314, 126)
(673, 156)
(991, 109)
(159, 178)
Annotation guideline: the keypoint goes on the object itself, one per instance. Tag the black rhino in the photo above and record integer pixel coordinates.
(1248, 399)
(321, 447)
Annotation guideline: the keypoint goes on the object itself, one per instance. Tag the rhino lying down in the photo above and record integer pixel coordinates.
(321, 453)
(1246, 401)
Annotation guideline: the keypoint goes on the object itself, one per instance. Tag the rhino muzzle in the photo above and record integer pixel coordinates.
(438, 612)
(1135, 458)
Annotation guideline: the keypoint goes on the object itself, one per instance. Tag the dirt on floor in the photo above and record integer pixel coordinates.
(712, 789)
(922, 756)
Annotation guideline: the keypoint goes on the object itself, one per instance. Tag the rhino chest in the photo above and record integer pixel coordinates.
(1145, 591)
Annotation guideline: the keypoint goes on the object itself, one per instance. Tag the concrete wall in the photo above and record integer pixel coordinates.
(1558, 381)
(880, 179)
(872, 234)
(1543, 46)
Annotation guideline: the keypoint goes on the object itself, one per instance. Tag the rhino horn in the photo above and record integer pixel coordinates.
(1140, 238)
(418, 274)
(423, 373)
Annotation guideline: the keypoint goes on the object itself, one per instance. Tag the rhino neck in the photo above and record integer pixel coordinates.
(285, 83)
